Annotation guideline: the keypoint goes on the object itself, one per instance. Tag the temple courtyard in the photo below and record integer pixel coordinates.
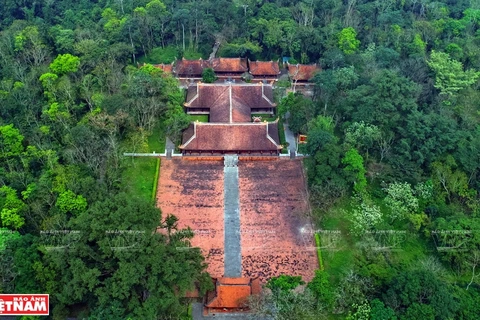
(249, 217)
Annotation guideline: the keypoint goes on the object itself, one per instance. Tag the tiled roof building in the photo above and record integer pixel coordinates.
(232, 293)
(302, 72)
(190, 68)
(230, 128)
(266, 69)
(230, 102)
(229, 67)
(240, 138)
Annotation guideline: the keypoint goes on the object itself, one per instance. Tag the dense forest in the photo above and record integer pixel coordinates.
(393, 142)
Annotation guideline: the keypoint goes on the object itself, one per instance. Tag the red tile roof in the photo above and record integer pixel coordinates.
(230, 102)
(302, 72)
(264, 68)
(167, 68)
(190, 68)
(229, 64)
(254, 137)
(232, 292)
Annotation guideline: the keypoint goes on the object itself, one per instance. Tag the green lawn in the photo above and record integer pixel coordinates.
(265, 116)
(156, 142)
(139, 176)
(199, 117)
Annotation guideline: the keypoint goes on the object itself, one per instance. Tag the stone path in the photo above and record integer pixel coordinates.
(232, 249)
(290, 138)
(169, 148)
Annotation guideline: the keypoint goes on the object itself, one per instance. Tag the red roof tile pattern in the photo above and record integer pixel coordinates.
(230, 137)
(273, 207)
(302, 72)
(190, 68)
(264, 68)
(193, 192)
(230, 102)
(229, 65)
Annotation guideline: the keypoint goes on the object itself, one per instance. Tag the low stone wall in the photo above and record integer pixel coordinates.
(203, 158)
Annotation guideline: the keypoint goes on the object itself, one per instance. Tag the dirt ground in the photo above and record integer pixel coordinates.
(272, 214)
(193, 192)
(273, 206)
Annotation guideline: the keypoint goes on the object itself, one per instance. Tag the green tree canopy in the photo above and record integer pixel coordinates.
(347, 40)
(65, 63)
(450, 77)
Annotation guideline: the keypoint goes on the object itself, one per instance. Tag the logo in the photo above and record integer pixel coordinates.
(24, 305)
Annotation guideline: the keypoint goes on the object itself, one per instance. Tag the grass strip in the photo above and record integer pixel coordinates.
(319, 252)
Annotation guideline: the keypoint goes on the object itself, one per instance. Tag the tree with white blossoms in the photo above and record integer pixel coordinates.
(364, 216)
(403, 204)
(362, 136)
(400, 200)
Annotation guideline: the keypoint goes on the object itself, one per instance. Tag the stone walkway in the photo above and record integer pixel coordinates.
(232, 249)
(169, 148)
(290, 138)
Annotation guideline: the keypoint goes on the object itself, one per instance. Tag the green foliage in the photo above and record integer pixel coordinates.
(68, 201)
(113, 23)
(450, 182)
(6, 236)
(362, 136)
(63, 131)
(365, 216)
(380, 312)
(400, 200)
(12, 209)
(114, 273)
(347, 40)
(161, 55)
(415, 293)
(10, 141)
(301, 111)
(456, 235)
(450, 77)
(362, 312)
(208, 75)
(322, 288)
(354, 163)
(176, 121)
(418, 45)
(284, 283)
(242, 49)
(65, 63)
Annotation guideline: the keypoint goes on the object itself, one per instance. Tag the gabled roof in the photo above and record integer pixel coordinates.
(254, 137)
(302, 72)
(167, 68)
(229, 64)
(264, 68)
(190, 68)
(230, 102)
(233, 292)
